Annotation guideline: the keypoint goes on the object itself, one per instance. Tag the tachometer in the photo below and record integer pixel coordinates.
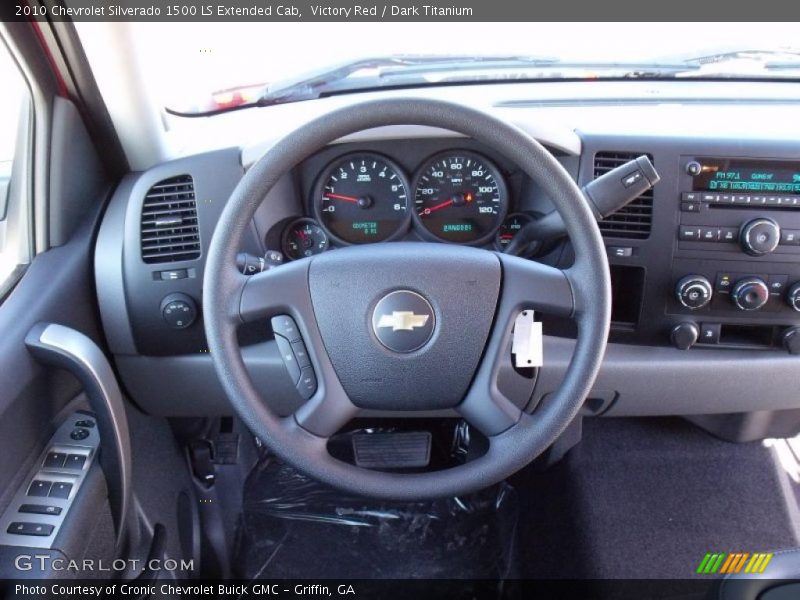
(362, 198)
(459, 197)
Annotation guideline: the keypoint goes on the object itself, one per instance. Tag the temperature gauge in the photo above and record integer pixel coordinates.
(513, 223)
(303, 238)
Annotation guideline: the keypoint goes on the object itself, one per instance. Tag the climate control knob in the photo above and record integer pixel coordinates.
(793, 297)
(750, 293)
(694, 291)
(760, 236)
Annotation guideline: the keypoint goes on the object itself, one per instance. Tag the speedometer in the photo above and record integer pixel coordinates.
(459, 197)
(362, 198)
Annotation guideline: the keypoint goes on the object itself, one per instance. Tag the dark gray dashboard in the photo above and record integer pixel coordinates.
(744, 368)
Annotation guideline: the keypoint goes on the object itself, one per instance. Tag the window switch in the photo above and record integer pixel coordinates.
(25, 528)
(40, 509)
(54, 460)
(39, 488)
(75, 461)
(60, 490)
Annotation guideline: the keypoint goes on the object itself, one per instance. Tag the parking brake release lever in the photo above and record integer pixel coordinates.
(606, 195)
(69, 349)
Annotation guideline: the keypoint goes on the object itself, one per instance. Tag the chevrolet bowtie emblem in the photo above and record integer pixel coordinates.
(402, 320)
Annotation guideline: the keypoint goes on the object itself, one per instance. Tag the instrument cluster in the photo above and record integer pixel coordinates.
(456, 196)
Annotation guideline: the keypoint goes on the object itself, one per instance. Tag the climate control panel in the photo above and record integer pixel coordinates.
(738, 291)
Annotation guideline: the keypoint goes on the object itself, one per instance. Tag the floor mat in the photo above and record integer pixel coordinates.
(642, 498)
(293, 527)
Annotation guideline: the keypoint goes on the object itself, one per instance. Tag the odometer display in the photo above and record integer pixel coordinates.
(459, 197)
(362, 198)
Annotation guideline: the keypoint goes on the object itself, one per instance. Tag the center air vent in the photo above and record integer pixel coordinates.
(169, 222)
(634, 220)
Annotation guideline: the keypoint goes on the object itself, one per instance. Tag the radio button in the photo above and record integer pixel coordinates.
(709, 234)
(729, 234)
(710, 197)
(790, 237)
(741, 199)
(725, 199)
(690, 197)
(690, 207)
(760, 236)
(772, 201)
(689, 233)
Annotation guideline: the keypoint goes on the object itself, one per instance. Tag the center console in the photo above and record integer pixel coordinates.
(736, 264)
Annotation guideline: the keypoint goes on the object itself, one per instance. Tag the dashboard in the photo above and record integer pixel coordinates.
(705, 267)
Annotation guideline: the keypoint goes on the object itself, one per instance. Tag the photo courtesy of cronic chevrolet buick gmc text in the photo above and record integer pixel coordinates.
(377, 317)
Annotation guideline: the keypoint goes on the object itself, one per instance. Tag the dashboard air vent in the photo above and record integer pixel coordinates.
(169, 222)
(634, 220)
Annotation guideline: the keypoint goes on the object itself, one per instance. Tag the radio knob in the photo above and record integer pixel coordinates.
(694, 291)
(760, 236)
(750, 293)
(793, 296)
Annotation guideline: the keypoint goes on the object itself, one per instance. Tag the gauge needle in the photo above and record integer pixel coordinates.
(340, 197)
(429, 210)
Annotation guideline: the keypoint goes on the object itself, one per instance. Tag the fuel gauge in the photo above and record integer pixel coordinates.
(512, 224)
(303, 238)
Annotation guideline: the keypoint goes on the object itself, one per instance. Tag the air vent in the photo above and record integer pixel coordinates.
(169, 222)
(634, 220)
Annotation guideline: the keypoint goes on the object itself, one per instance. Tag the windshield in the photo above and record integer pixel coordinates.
(202, 68)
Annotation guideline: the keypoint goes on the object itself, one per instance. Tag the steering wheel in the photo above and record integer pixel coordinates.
(471, 298)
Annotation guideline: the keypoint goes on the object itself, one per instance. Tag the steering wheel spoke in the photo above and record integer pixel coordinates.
(280, 290)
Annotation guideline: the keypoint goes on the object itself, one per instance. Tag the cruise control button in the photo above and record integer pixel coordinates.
(287, 355)
(308, 383)
(39, 488)
(300, 354)
(25, 528)
(284, 325)
(54, 460)
(60, 489)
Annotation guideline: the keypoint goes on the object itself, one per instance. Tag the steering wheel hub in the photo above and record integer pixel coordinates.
(403, 321)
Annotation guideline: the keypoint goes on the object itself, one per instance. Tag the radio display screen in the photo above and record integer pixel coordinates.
(743, 176)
